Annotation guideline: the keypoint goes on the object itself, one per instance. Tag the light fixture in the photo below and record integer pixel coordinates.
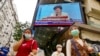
(68, 0)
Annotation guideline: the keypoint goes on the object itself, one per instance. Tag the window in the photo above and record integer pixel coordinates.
(7, 25)
(0, 28)
(3, 35)
(6, 32)
(7, 14)
(10, 7)
(2, 25)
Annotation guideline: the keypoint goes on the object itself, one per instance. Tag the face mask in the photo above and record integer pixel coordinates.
(75, 32)
(59, 49)
(27, 36)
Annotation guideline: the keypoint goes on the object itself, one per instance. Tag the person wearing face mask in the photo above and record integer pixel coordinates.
(58, 52)
(77, 46)
(26, 46)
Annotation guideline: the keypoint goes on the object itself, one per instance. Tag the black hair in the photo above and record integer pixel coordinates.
(72, 27)
(28, 29)
(58, 7)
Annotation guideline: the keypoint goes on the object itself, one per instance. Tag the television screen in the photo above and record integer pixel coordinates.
(58, 14)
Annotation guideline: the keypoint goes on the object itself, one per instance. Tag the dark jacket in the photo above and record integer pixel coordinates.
(5, 50)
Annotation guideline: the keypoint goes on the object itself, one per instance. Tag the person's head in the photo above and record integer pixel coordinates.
(27, 34)
(59, 47)
(58, 9)
(74, 31)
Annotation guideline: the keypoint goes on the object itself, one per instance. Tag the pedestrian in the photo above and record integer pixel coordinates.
(76, 46)
(58, 52)
(26, 46)
(4, 50)
(40, 52)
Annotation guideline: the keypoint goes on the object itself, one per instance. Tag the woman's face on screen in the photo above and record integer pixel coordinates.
(57, 10)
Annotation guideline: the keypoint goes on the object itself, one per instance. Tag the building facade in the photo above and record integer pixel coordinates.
(8, 19)
(90, 30)
(92, 12)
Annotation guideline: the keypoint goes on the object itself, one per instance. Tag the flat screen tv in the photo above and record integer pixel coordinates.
(62, 14)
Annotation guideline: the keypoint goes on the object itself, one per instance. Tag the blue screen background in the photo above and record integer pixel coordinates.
(72, 9)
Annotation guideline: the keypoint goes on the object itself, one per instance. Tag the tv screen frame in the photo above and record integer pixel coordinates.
(36, 12)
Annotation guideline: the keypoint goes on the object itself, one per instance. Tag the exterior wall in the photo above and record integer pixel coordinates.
(94, 22)
(89, 4)
(90, 35)
(8, 19)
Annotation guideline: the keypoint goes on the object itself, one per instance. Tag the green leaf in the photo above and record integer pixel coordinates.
(19, 29)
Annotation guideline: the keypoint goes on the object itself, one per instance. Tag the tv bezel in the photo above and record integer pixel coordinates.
(36, 11)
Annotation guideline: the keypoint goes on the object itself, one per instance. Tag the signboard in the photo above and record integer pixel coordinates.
(58, 14)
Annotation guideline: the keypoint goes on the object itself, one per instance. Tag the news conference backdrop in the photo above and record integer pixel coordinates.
(62, 14)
